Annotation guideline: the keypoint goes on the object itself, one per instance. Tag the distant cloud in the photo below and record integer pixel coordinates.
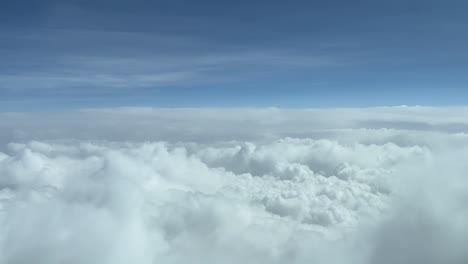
(403, 125)
(100, 82)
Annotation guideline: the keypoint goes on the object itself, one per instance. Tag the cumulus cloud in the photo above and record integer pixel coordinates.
(264, 186)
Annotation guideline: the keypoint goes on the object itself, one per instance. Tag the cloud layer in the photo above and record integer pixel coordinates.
(262, 186)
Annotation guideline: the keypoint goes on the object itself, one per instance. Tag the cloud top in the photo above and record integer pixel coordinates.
(342, 194)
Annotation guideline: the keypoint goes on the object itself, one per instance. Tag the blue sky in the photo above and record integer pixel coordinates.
(178, 53)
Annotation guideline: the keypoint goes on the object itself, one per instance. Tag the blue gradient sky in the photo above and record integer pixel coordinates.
(178, 53)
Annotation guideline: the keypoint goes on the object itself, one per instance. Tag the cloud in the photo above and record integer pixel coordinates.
(400, 125)
(139, 61)
(62, 83)
(169, 187)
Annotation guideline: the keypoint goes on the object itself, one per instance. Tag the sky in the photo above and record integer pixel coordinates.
(58, 55)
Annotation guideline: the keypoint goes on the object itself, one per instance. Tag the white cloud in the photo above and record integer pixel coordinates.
(263, 186)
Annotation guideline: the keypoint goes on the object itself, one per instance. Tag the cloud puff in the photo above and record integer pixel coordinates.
(344, 195)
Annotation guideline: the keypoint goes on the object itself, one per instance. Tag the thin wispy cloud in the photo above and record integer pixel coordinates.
(167, 61)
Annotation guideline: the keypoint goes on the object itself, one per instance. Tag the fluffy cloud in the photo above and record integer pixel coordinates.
(253, 189)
